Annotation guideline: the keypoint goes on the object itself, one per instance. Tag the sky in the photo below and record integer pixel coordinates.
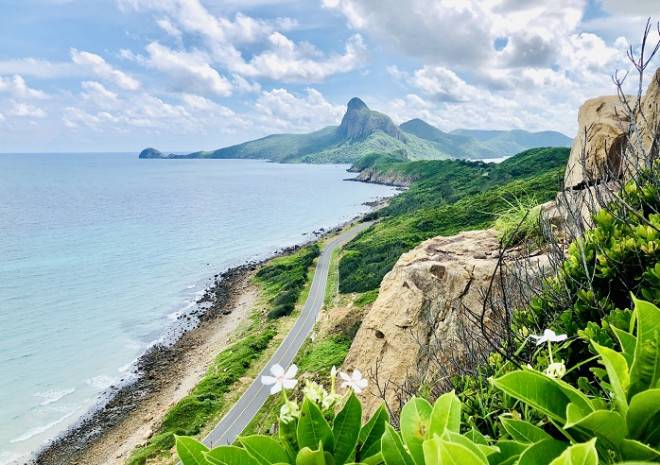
(188, 75)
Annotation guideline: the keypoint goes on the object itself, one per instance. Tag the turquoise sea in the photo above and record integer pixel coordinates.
(99, 253)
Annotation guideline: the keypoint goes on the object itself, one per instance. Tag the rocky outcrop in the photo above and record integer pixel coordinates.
(393, 178)
(603, 125)
(422, 302)
(151, 152)
(360, 122)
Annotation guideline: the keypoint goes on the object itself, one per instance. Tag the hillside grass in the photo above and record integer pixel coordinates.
(448, 197)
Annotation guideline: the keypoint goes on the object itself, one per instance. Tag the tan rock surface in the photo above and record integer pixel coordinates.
(429, 286)
(602, 127)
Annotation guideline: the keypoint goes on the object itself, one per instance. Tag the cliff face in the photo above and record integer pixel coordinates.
(389, 179)
(360, 122)
(421, 309)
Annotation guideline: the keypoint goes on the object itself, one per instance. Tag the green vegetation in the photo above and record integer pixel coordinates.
(284, 278)
(320, 357)
(448, 197)
(196, 410)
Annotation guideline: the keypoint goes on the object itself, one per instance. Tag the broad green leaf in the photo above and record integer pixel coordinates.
(264, 449)
(313, 428)
(523, 431)
(191, 451)
(371, 434)
(604, 424)
(289, 438)
(578, 454)
(537, 390)
(307, 456)
(644, 408)
(635, 450)
(375, 459)
(645, 370)
(627, 342)
(229, 455)
(446, 415)
(618, 375)
(414, 423)
(394, 453)
(346, 429)
(476, 437)
(542, 452)
(450, 437)
(439, 451)
(509, 451)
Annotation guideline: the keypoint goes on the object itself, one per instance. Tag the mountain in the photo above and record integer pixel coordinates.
(507, 143)
(361, 132)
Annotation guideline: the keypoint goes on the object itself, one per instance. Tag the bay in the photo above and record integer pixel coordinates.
(100, 252)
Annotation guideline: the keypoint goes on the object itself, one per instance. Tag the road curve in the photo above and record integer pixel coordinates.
(251, 401)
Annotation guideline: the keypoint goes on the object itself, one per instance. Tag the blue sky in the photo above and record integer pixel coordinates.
(187, 75)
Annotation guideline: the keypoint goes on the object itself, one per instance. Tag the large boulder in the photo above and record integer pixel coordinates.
(603, 125)
(429, 287)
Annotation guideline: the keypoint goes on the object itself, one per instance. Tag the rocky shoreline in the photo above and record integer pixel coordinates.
(155, 369)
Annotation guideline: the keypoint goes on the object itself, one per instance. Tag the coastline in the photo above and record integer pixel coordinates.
(165, 374)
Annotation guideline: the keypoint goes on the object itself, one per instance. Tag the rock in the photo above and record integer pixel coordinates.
(151, 152)
(360, 122)
(648, 118)
(603, 125)
(429, 286)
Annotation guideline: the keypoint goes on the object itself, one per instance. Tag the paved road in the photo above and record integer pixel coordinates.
(249, 404)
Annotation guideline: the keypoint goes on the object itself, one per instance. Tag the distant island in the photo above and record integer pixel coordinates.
(363, 131)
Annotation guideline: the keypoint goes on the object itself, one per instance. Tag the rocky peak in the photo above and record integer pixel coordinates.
(360, 122)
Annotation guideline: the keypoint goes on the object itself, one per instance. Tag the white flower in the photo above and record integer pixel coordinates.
(333, 372)
(314, 392)
(355, 381)
(289, 411)
(556, 370)
(280, 379)
(549, 335)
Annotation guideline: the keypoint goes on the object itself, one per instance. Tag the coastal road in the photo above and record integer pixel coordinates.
(251, 401)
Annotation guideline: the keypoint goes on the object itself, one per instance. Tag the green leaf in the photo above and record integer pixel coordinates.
(523, 431)
(604, 424)
(509, 451)
(476, 437)
(375, 459)
(307, 456)
(645, 370)
(394, 453)
(313, 428)
(446, 415)
(265, 450)
(455, 438)
(578, 454)
(289, 438)
(548, 395)
(618, 375)
(542, 452)
(191, 451)
(371, 434)
(440, 451)
(414, 423)
(635, 450)
(627, 342)
(229, 455)
(346, 429)
(644, 408)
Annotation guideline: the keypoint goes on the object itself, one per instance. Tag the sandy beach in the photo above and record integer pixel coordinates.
(167, 375)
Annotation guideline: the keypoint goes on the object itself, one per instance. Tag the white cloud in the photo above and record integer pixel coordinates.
(38, 68)
(27, 110)
(442, 84)
(16, 87)
(279, 110)
(103, 70)
(189, 71)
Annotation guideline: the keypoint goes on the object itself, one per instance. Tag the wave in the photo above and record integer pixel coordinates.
(54, 395)
(40, 429)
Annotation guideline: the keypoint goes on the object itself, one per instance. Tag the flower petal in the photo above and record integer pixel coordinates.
(361, 383)
(289, 383)
(277, 387)
(356, 389)
(344, 376)
(291, 372)
(357, 375)
(277, 370)
(268, 380)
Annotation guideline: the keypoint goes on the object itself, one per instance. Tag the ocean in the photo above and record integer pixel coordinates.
(99, 254)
